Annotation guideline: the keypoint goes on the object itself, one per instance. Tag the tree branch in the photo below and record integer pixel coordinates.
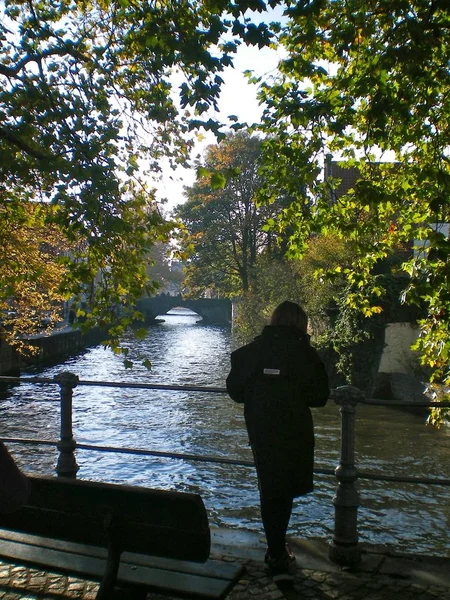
(21, 145)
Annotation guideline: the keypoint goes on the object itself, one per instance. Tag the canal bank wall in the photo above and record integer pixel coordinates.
(9, 360)
(52, 348)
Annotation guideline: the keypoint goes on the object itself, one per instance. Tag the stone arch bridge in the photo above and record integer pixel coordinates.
(212, 311)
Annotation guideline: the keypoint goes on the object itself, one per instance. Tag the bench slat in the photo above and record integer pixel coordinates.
(201, 585)
(211, 568)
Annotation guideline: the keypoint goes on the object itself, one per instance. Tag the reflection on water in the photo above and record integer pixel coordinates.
(185, 352)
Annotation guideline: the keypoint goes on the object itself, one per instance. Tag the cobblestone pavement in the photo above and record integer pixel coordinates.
(316, 585)
(19, 583)
(381, 576)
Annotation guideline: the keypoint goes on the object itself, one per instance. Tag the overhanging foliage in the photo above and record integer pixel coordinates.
(369, 82)
(88, 110)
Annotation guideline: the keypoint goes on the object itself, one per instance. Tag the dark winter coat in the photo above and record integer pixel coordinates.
(278, 377)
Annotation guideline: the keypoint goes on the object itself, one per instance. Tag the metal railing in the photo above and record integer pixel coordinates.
(344, 546)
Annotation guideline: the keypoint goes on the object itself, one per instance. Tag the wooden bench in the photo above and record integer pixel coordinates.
(140, 538)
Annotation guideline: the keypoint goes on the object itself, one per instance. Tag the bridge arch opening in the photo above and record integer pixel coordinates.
(180, 313)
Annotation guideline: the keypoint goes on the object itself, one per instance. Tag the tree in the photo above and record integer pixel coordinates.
(30, 272)
(165, 269)
(305, 281)
(224, 227)
(87, 110)
(366, 82)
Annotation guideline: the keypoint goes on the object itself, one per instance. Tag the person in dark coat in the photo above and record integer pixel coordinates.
(278, 377)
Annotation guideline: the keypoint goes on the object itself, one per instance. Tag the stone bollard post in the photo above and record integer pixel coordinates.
(344, 548)
(66, 465)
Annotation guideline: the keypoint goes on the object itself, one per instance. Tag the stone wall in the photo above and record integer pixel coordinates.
(9, 361)
(397, 355)
(51, 349)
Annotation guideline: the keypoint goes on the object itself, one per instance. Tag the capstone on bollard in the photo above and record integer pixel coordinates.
(66, 465)
(344, 548)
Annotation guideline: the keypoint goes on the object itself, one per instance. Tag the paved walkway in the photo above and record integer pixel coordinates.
(381, 575)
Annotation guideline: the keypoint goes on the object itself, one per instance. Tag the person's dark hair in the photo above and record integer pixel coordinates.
(291, 314)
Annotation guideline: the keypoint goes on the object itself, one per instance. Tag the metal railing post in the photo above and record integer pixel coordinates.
(344, 547)
(66, 465)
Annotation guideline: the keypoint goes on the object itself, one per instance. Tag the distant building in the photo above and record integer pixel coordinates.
(348, 176)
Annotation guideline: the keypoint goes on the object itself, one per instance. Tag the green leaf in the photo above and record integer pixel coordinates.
(218, 181)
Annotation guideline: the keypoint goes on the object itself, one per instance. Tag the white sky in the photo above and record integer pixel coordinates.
(238, 97)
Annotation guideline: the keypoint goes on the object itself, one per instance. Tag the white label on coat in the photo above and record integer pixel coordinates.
(271, 371)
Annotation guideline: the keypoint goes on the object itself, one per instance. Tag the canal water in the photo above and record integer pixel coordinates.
(183, 351)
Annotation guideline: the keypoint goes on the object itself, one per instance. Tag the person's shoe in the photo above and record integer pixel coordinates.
(290, 553)
(288, 550)
(283, 568)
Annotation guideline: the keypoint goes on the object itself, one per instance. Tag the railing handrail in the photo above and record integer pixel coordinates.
(418, 404)
(209, 389)
(222, 460)
(120, 384)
